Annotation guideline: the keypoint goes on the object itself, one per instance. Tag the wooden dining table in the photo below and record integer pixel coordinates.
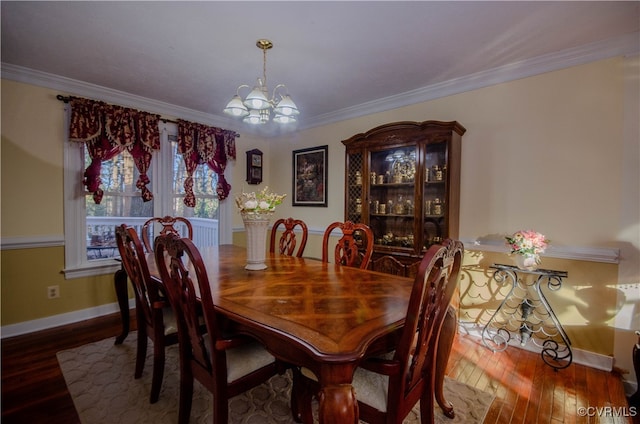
(322, 316)
(319, 315)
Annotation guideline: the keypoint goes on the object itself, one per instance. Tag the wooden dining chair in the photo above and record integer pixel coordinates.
(154, 315)
(355, 246)
(227, 365)
(169, 225)
(288, 241)
(388, 386)
(390, 265)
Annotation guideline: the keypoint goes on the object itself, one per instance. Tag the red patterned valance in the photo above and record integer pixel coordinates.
(201, 144)
(108, 130)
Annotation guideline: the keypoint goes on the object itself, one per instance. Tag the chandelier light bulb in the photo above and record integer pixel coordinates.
(283, 119)
(286, 107)
(254, 117)
(236, 108)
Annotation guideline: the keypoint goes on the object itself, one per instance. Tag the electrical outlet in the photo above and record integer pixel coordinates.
(53, 292)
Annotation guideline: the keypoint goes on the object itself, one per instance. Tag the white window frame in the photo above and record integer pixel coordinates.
(77, 265)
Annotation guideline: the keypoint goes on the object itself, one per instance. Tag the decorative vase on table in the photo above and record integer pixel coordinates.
(256, 225)
(527, 246)
(527, 261)
(256, 210)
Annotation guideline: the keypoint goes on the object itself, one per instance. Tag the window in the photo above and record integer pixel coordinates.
(90, 248)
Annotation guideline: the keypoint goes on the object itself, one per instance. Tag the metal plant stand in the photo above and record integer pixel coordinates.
(525, 315)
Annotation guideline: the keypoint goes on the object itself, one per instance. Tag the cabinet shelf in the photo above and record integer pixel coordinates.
(390, 185)
(411, 152)
(392, 215)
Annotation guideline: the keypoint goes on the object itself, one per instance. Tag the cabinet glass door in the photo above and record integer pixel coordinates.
(434, 196)
(392, 200)
(355, 189)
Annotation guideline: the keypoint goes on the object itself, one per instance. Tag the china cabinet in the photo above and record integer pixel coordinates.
(403, 180)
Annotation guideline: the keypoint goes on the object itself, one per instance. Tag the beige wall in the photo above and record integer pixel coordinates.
(32, 168)
(542, 152)
(548, 152)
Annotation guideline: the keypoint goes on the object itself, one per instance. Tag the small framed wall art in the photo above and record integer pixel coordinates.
(310, 176)
(254, 166)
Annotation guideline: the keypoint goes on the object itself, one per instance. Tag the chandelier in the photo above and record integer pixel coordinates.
(257, 107)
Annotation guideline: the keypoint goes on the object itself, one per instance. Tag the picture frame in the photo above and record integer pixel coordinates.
(310, 176)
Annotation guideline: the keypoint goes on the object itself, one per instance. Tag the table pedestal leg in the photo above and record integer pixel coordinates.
(122, 294)
(337, 405)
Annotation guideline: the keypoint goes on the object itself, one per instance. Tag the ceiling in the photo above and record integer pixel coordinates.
(337, 59)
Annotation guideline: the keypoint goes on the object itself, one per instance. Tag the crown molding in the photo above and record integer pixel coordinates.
(84, 89)
(620, 46)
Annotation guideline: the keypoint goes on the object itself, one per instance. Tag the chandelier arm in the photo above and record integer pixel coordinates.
(273, 96)
(242, 86)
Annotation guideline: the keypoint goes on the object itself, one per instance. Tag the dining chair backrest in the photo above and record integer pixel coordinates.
(224, 363)
(135, 264)
(355, 246)
(154, 316)
(412, 370)
(389, 265)
(288, 240)
(168, 225)
(179, 264)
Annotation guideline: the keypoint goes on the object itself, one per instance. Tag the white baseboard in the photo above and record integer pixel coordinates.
(582, 357)
(61, 319)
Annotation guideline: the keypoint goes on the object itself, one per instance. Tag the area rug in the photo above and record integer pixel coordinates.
(99, 377)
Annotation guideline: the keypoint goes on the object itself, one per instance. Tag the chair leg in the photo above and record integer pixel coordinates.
(186, 397)
(447, 334)
(158, 369)
(427, 402)
(295, 395)
(301, 398)
(220, 407)
(141, 354)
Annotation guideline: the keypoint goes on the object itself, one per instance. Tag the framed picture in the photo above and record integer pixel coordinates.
(310, 176)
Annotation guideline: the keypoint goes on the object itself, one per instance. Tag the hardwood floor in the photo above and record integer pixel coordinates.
(527, 390)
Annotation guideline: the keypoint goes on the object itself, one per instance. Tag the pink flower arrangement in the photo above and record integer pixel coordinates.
(527, 242)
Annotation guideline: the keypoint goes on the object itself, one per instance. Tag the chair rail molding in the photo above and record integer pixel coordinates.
(31, 242)
(579, 253)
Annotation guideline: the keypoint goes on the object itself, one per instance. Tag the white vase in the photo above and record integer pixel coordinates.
(527, 261)
(256, 226)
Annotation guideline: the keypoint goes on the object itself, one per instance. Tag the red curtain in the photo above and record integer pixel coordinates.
(200, 144)
(108, 130)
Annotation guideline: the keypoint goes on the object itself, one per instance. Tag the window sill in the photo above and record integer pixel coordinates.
(101, 267)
